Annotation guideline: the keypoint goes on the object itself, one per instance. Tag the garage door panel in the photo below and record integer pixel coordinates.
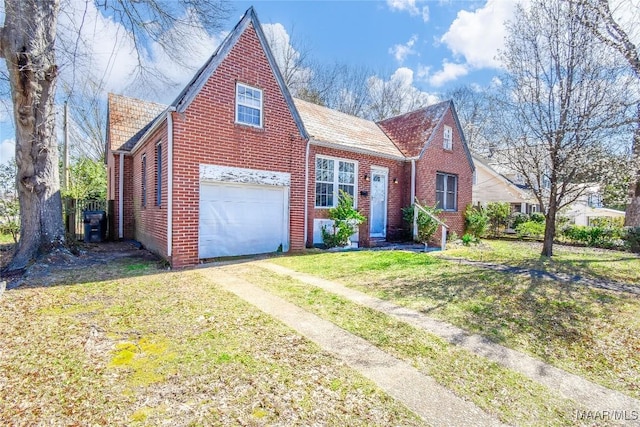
(238, 219)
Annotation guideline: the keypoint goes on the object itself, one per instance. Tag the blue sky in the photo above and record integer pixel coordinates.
(431, 45)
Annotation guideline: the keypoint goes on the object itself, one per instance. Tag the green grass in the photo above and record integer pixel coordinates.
(168, 348)
(588, 262)
(509, 395)
(6, 239)
(593, 333)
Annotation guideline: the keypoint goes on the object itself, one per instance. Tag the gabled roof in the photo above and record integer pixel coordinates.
(412, 132)
(192, 89)
(339, 130)
(521, 189)
(129, 119)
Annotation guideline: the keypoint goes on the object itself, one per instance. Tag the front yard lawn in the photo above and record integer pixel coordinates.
(512, 397)
(158, 348)
(591, 332)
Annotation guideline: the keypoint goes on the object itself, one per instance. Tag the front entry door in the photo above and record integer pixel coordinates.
(378, 217)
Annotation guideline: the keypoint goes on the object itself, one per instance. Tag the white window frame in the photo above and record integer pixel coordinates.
(447, 138)
(336, 183)
(238, 104)
(445, 191)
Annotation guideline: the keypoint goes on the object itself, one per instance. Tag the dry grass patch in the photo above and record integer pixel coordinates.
(168, 348)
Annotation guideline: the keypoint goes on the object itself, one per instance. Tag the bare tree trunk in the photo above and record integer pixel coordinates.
(632, 217)
(27, 44)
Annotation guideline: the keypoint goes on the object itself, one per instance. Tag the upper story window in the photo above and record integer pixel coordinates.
(248, 105)
(333, 175)
(447, 192)
(447, 141)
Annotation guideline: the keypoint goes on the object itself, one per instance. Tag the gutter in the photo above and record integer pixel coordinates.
(121, 197)
(306, 192)
(356, 150)
(170, 180)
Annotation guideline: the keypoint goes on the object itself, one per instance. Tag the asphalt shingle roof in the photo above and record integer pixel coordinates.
(330, 126)
(411, 131)
(129, 119)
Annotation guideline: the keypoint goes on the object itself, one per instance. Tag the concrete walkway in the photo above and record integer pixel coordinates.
(436, 404)
(591, 395)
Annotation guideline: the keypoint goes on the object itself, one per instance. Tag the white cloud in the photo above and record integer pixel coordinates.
(401, 51)
(286, 56)
(105, 50)
(7, 150)
(400, 84)
(478, 35)
(409, 6)
(448, 73)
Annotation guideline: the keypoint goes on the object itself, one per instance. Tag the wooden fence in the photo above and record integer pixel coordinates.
(72, 213)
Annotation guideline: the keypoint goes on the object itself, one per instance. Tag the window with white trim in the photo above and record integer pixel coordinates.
(447, 138)
(333, 175)
(447, 191)
(248, 105)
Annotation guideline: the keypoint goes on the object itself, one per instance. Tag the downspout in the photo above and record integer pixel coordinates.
(413, 181)
(413, 199)
(121, 198)
(306, 192)
(170, 180)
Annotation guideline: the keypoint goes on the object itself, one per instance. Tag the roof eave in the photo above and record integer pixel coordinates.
(351, 149)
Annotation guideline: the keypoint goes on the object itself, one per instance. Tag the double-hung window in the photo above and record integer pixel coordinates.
(447, 141)
(447, 191)
(333, 176)
(248, 105)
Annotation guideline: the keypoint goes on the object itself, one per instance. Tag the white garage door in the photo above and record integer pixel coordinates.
(242, 219)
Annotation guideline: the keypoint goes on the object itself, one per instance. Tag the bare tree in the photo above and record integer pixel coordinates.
(291, 56)
(28, 45)
(87, 125)
(562, 100)
(475, 109)
(622, 39)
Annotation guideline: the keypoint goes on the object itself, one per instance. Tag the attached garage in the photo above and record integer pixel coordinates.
(242, 211)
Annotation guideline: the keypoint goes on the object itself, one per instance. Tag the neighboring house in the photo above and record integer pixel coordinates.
(236, 166)
(589, 207)
(492, 186)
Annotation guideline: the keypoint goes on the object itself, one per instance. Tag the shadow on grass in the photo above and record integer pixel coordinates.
(534, 312)
(93, 262)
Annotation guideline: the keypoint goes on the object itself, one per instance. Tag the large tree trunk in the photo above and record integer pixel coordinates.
(27, 44)
(549, 229)
(632, 217)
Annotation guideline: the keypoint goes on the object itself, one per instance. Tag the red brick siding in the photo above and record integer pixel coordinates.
(397, 197)
(437, 159)
(151, 220)
(112, 188)
(207, 134)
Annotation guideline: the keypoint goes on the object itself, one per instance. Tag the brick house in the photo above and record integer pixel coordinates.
(236, 166)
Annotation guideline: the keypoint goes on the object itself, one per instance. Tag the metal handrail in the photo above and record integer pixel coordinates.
(436, 219)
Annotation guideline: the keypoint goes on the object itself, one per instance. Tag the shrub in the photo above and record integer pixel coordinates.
(427, 226)
(603, 237)
(468, 239)
(475, 221)
(607, 222)
(531, 229)
(345, 222)
(498, 216)
(537, 217)
(518, 218)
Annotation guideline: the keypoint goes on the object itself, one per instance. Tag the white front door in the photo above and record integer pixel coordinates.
(378, 217)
